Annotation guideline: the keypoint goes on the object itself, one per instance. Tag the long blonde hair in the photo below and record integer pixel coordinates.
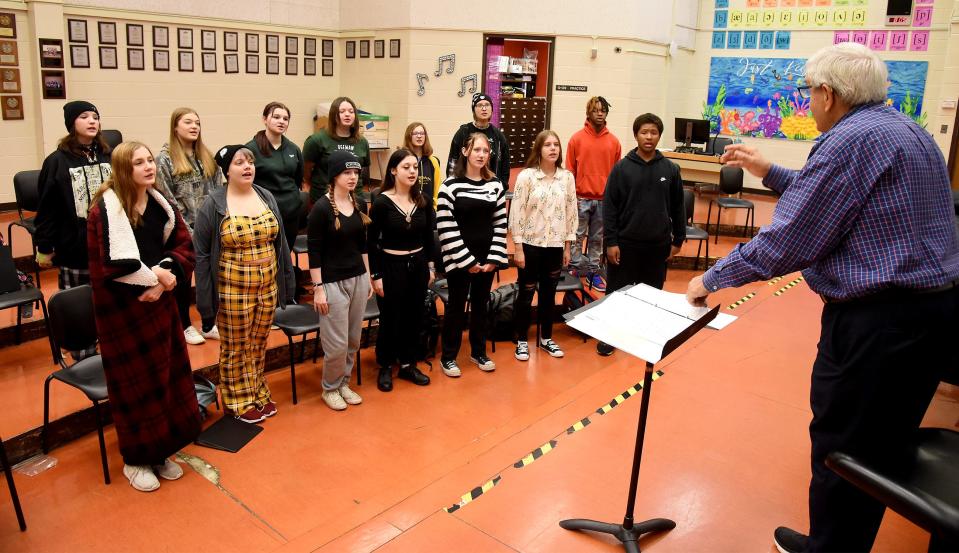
(459, 169)
(121, 180)
(178, 154)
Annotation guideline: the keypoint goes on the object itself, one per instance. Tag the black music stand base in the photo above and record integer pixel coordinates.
(628, 536)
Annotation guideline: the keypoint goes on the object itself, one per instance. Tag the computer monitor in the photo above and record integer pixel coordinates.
(692, 131)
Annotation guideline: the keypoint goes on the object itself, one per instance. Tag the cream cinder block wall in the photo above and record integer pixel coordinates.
(19, 139)
(319, 14)
(691, 76)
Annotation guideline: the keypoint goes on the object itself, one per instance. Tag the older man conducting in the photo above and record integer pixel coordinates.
(869, 221)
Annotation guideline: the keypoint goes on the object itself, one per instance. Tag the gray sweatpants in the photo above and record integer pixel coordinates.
(340, 329)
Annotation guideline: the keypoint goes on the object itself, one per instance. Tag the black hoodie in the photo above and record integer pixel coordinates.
(498, 145)
(643, 203)
(68, 184)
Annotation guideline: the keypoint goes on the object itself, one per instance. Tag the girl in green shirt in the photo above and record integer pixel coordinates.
(342, 134)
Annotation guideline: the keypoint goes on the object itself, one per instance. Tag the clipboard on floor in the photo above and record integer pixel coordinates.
(228, 434)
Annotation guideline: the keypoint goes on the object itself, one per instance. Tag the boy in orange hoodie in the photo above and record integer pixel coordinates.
(591, 154)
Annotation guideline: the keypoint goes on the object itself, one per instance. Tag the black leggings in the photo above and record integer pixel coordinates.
(543, 266)
(182, 292)
(476, 286)
(402, 308)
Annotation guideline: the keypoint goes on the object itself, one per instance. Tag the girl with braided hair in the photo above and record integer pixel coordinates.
(340, 268)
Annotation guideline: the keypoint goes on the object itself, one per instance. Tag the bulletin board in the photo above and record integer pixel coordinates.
(758, 97)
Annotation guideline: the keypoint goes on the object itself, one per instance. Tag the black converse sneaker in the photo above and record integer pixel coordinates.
(450, 368)
(550, 347)
(790, 541)
(522, 351)
(484, 363)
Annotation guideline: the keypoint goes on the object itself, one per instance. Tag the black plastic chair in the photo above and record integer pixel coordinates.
(113, 137)
(299, 248)
(298, 320)
(26, 189)
(717, 146)
(731, 183)
(371, 314)
(11, 295)
(73, 327)
(693, 232)
(922, 486)
(8, 471)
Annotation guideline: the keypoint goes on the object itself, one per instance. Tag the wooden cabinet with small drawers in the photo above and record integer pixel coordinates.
(521, 119)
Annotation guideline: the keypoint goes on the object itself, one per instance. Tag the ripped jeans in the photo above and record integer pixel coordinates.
(543, 266)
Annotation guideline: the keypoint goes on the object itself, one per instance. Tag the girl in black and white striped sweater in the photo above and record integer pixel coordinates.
(471, 221)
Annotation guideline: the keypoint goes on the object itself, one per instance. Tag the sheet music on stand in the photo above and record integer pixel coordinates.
(641, 319)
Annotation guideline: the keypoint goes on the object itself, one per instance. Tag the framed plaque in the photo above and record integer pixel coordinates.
(291, 64)
(309, 46)
(79, 56)
(161, 37)
(107, 31)
(12, 107)
(394, 47)
(252, 63)
(379, 48)
(51, 52)
(161, 60)
(364, 48)
(77, 30)
(252, 43)
(231, 41)
(292, 46)
(108, 57)
(54, 85)
(208, 41)
(134, 34)
(9, 54)
(272, 44)
(231, 63)
(184, 38)
(350, 49)
(327, 68)
(273, 65)
(327, 48)
(309, 66)
(209, 62)
(136, 59)
(185, 60)
(10, 80)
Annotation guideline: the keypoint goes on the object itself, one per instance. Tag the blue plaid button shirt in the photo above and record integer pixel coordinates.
(871, 209)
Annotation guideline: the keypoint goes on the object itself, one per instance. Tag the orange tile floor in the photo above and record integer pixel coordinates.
(726, 454)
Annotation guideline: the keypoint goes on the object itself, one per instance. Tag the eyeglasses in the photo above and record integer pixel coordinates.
(418, 134)
(804, 92)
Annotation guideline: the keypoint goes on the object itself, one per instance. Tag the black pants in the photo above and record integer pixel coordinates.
(477, 286)
(405, 278)
(644, 264)
(291, 226)
(182, 292)
(878, 367)
(543, 266)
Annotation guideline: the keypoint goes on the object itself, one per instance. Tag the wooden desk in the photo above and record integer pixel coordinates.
(697, 167)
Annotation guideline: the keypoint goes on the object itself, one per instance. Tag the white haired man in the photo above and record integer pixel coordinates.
(869, 221)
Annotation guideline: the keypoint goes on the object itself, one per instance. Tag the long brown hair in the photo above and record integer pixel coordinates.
(71, 143)
(178, 154)
(121, 180)
(459, 170)
(262, 142)
(389, 180)
(408, 139)
(334, 119)
(536, 154)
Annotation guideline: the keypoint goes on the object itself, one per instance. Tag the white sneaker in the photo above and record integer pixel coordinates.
(141, 477)
(334, 400)
(349, 396)
(550, 347)
(451, 369)
(212, 334)
(522, 351)
(192, 336)
(484, 363)
(169, 470)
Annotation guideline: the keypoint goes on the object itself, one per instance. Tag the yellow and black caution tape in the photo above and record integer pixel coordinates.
(774, 281)
(792, 283)
(581, 424)
(535, 454)
(473, 494)
(742, 300)
(633, 390)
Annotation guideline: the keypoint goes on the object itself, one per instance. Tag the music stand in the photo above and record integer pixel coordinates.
(629, 532)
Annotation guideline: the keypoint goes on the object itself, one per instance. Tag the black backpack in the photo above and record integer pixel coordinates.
(430, 333)
(501, 308)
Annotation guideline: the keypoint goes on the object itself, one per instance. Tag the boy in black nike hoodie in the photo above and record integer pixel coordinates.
(644, 220)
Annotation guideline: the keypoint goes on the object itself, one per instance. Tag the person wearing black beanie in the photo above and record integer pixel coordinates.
(69, 179)
(482, 106)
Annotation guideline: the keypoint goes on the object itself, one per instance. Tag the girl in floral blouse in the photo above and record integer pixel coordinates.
(542, 221)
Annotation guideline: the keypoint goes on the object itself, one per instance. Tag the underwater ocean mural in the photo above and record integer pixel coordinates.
(758, 96)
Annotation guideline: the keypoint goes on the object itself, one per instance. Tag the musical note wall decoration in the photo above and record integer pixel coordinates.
(451, 58)
(463, 81)
(420, 79)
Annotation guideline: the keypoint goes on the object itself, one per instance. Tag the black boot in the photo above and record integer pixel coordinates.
(414, 375)
(384, 382)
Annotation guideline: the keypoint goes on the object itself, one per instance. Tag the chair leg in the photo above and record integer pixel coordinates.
(103, 446)
(292, 370)
(699, 248)
(36, 266)
(709, 216)
(719, 219)
(706, 260)
(8, 470)
(19, 319)
(359, 367)
(46, 321)
(44, 445)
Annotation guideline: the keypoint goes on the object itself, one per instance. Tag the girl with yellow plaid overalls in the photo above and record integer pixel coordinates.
(243, 273)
